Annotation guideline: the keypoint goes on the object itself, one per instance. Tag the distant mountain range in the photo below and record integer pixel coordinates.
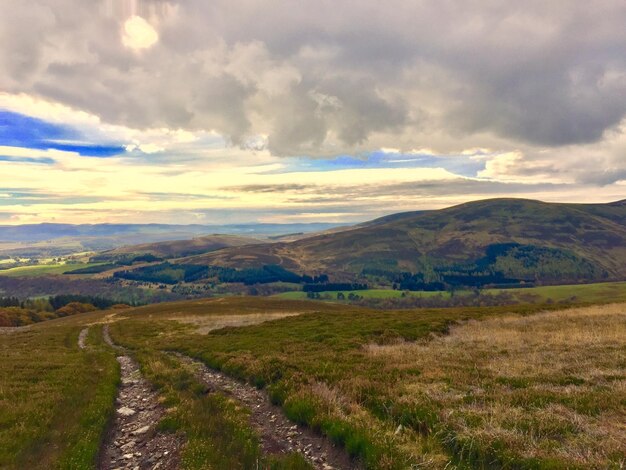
(49, 231)
(51, 240)
(491, 242)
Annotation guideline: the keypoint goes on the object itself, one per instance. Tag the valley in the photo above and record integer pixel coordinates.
(497, 251)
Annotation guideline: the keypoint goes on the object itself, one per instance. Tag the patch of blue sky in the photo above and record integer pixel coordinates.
(462, 165)
(26, 201)
(18, 130)
(35, 160)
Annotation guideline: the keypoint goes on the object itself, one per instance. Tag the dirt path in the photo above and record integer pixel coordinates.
(82, 338)
(278, 434)
(7, 330)
(107, 338)
(133, 441)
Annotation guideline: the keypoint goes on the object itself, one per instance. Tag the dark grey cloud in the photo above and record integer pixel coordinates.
(322, 78)
(604, 177)
(321, 193)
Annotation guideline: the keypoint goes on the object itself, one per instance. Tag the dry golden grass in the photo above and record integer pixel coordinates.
(549, 387)
(206, 323)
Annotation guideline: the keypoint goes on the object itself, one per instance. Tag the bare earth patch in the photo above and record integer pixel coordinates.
(208, 323)
(546, 386)
(110, 318)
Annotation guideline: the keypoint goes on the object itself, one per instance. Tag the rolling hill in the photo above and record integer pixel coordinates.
(179, 248)
(517, 239)
(51, 239)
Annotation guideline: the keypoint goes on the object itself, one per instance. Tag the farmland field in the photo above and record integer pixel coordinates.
(577, 293)
(44, 269)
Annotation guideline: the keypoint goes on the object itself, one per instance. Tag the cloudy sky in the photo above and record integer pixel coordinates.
(222, 111)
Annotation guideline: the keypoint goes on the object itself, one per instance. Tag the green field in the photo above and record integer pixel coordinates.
(44, 269)
(367, 294)
(583, 293)
(578, 293)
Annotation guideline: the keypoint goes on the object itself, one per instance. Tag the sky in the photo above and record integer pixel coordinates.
(242, 111)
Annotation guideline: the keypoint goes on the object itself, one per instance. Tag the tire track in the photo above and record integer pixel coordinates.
(277, 433)
(133, 441)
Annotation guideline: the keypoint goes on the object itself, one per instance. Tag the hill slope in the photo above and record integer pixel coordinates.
(521, 239)
(180, 248)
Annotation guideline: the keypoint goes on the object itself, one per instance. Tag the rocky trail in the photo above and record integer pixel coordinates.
(133, 441)
(278, 434)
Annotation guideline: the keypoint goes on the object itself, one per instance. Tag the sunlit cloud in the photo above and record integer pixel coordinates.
(138, 34)
(173, 175)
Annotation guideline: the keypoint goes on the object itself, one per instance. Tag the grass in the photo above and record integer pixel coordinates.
(44, 269)
(535, 390)
(419, 388)
(216, 428)
(575, 293)
(55, 399)
(92, 268)
(602, 292)
(524, 387)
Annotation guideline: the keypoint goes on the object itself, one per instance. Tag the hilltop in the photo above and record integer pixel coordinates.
(522, 239)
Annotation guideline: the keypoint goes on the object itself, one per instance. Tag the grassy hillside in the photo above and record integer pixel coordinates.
(55, 399)
(179, 248)
(507, 387)
(515, 238)
(418, 388)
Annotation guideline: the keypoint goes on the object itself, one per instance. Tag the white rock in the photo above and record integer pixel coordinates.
(126, 411)
(142, 430)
